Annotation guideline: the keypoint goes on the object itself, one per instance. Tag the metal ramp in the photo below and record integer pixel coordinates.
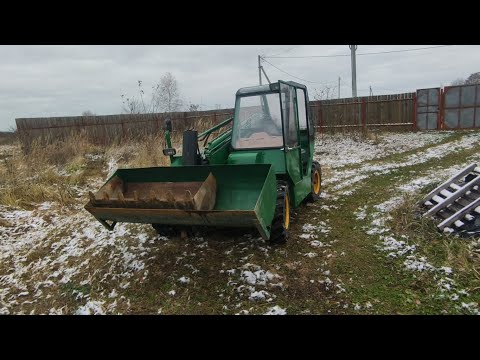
(456, 203)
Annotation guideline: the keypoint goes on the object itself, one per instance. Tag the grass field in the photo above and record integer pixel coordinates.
(361, 249)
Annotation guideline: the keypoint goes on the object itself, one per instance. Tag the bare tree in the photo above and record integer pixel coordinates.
(135, 105)
(325, 93)
(473, 79)
(88, 113)
(131, 105)
(193, 107)
(166, 95)
(457, 82)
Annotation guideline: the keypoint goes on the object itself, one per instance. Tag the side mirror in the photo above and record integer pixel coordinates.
(168, 125)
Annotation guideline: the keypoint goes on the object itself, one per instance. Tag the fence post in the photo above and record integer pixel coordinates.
(320, 117)
(364, 115)
(441, 109)
(415, 113)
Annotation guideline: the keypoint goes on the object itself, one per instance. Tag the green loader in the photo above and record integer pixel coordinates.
(252, 174)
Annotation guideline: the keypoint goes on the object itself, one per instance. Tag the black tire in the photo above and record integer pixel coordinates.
(316, 190)
(164, 230)
(281, 219)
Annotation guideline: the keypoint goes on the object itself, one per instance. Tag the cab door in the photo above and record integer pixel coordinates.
(290, 132)
(305, 130)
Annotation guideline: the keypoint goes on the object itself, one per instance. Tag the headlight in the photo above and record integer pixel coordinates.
(169, 151)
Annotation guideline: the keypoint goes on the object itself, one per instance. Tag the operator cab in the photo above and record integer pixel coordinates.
(258, 119)
(270, 116)
(274, 116)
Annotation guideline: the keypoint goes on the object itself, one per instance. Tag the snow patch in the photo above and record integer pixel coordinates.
(184, 280)
(276, 310)
(91, 308)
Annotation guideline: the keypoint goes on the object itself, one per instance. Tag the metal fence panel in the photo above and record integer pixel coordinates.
(428, 101)
(468, 96)
(433, 96)
(432, 121)
(462, 106)
(422, 97)
(451, 118)
(466, 118)
(422, 121)
(452, 97)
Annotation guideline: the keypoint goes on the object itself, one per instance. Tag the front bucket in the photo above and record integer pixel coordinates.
(214, 195)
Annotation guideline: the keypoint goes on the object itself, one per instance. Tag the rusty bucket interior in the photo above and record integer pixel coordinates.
(189, 195)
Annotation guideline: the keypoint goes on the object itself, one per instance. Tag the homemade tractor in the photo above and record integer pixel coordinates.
(251, 175)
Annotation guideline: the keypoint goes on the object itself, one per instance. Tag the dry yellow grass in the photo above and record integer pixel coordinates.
(52, 172)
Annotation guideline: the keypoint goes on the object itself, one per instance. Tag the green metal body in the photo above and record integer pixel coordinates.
(246, 178)
(291, 164)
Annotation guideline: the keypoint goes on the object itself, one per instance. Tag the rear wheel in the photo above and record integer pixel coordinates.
(316, 182)
(281, 219)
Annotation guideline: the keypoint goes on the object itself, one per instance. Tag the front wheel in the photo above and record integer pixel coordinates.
(281, 219)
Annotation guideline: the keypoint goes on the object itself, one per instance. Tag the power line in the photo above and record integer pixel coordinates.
(360, 54)
(310, 56)
(296, 77)
(405, 50)
(284, 51)
(342, 81)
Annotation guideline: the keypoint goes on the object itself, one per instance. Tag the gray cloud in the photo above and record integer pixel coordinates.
(37, 81)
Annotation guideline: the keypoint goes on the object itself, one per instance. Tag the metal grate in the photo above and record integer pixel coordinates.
(456, 202)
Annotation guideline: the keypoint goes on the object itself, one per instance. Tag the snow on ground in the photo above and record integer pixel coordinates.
(339, 150)
(405, 249)
(253, 284)
(276, 310)
(345, 180)
(7, 151)
(50, 248)
(91, 308)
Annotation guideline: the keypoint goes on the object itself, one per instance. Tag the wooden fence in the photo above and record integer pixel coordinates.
(386, 112)
(105, 129)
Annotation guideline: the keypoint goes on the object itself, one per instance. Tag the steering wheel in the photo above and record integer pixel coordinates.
(269, 125)
(246, 129)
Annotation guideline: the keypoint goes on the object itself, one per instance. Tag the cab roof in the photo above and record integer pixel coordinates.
(268, 88)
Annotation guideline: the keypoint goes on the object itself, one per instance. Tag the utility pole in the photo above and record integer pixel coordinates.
(353, 48)
(259, 70)
(264, 73)
(339, 87)
(371, 92)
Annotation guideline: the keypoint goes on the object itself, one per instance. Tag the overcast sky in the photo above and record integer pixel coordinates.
(43, 81)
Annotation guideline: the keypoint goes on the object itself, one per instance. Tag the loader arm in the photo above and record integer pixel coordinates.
(216, 151)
